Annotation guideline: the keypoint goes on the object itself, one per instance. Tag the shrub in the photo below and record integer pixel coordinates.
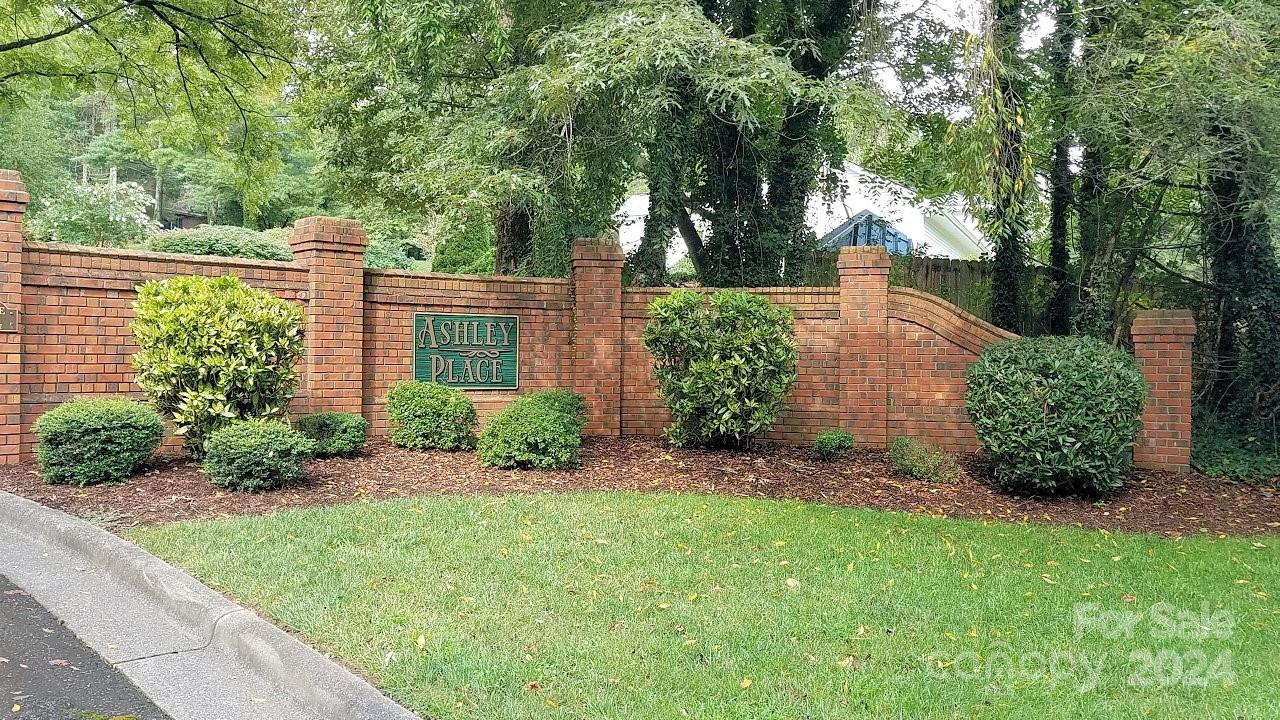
(104, 215)
(1221, 451)
(254, 455)
(429, 415)
(99, 440)
(1056, 414)
(922, 461)
(213, 350)
(831, 444)
(223, 241)
(723, 365)
(335, 433)
(541, 430)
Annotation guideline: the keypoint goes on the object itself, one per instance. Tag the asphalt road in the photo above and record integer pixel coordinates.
(46, 673)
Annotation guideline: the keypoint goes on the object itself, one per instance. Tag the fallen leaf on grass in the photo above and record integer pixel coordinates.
(746, 683)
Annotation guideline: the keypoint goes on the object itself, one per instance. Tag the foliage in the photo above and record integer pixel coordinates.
(832, 444)
(922, 461)
(724, 365)
(96, 440)
(1056, 414)
(256, 455)
(338, 434)
(1218, 451)
(214, 350)
(425, 416)
(222, 241)
(540, 430)
(102, 215)
(469, 252)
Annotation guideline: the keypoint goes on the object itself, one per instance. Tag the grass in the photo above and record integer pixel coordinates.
(670, 606)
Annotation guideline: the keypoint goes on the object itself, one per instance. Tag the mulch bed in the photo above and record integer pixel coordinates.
(1156, 502)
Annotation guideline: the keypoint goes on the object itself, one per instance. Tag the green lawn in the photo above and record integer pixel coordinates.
(671, 606)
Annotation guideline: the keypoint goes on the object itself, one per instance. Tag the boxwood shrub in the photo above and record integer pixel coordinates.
(96, 440)
(1056, 414)
(540, 430)
(335, 433)
(256, 455)
(223, 241)
(724, 364)
(426, 416)
(831, 444)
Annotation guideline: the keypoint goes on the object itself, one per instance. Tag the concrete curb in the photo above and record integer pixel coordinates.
(314, 681)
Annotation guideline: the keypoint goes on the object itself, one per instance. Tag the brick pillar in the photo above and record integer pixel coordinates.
(13, 203)
(1162, 343)
(597, 332)
(864, 321)
(333, 251)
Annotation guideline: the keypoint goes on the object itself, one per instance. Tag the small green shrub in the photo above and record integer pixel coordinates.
(214, 350)
(540, 430)
(724, 365)
(335, 433)
(427, 416)
(1056, 414)
(222, 241)
(831, 444)
(922, 461)
(255, 455)
(97, 440)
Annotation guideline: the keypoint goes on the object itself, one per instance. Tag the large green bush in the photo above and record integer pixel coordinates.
(335, 433)
(213, 350)
(724, 364)
(427, 416)
(540, 430)
(223, 241)
(254, 455)
(96, 440)
(1057, 414)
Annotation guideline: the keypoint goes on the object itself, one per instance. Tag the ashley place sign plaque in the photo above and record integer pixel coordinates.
(475, 352)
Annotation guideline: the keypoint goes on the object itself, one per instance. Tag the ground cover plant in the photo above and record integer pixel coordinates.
(666, 605)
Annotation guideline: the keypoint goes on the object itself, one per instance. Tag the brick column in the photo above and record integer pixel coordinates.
(597, 332)
(864, 321)
(1162, 343)
(13, 203)
(333, 251)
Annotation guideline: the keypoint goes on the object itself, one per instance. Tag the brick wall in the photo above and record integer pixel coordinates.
(877, 361)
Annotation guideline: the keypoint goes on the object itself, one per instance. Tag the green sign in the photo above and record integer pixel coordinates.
(476, 352)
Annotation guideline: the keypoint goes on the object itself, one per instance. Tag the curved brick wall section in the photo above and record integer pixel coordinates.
(876, 361)
(931, 345)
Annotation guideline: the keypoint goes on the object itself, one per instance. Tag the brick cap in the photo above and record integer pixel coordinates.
(850, 258)
(318, 231)
(1164, 322)
(603, 247)
(12, 190)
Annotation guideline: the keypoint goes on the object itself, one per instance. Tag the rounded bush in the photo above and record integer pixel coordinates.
(214, 350)
(540, 430)
(426, 416)
(255, 455)
(1056, 414)
(335, 433)
(97, 440)
(922, 461)
(831, 444)
(223, 241)
(724, 365)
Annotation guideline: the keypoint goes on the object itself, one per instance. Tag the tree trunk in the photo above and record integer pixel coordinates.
(1061, 179)
(1008, 173)
(514, 238)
